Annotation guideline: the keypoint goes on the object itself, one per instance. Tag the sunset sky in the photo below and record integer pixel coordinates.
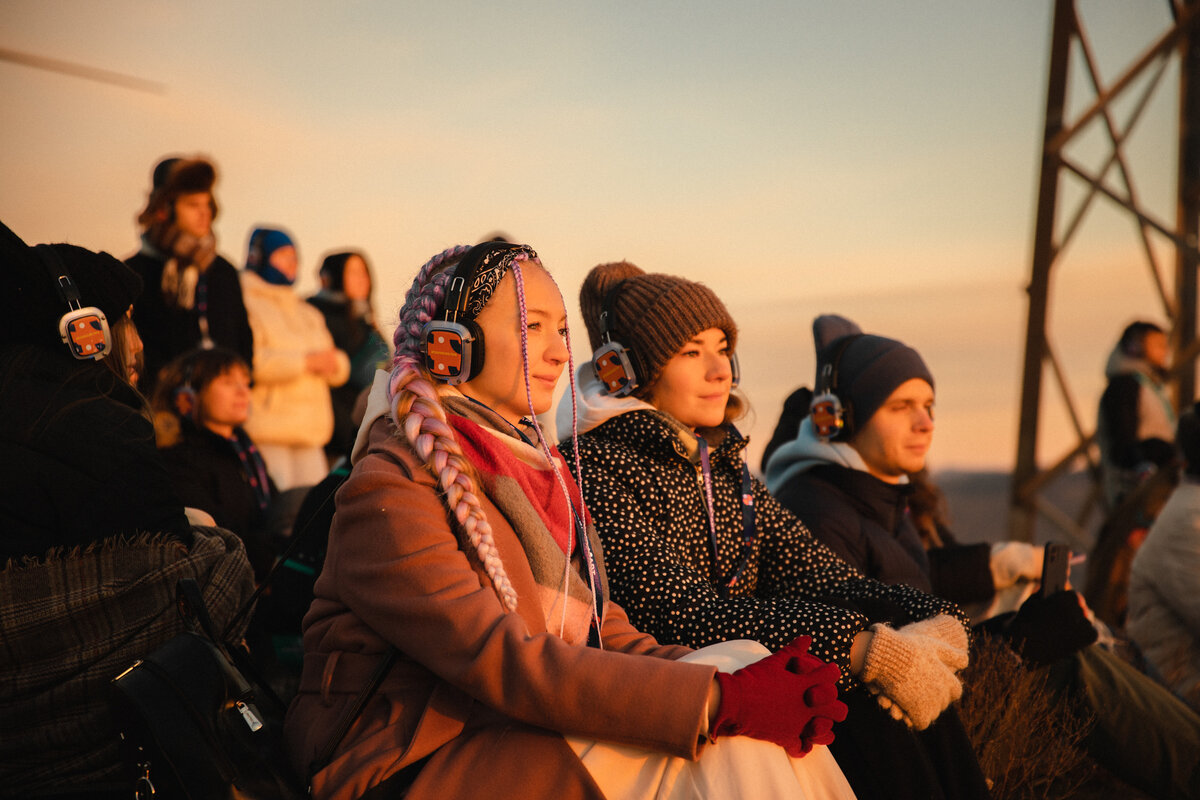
(877, 160)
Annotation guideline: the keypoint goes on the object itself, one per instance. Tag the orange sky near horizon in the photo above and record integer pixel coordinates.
(874, 160)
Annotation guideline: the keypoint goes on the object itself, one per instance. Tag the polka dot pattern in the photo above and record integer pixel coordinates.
(647, 502)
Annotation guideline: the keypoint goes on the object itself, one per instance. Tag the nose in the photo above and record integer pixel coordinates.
(719, 368)
(924, 420)
(557, 352)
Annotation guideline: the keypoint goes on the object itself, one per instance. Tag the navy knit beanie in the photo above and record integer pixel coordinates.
(868, 368)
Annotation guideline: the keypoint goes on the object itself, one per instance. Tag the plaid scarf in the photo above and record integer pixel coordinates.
(516, 478)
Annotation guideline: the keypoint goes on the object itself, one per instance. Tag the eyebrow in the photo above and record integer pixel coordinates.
(543, 313)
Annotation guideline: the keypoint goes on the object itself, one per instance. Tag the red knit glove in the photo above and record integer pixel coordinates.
(788, 698)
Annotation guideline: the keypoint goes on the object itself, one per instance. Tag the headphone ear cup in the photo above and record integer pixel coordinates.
(185, 401)
(614, 369)
(453, 351)
(85, 331)
(827, 415)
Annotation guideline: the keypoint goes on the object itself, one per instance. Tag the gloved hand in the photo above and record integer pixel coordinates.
(788, 698)
(950, 632)
(1046, 629)
(1011, 561)
(913, 673)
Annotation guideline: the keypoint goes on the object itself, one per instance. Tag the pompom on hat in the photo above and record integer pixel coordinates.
(652, 315)
(868, 368)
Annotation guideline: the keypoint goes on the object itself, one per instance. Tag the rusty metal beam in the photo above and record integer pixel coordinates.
(1179, 299)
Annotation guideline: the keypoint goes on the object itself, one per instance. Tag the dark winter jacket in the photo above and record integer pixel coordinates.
(207, 474)
(169, 331)
(645, 492)
(77, 458)
(867, 521)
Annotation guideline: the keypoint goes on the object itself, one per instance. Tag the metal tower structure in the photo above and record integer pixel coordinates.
(1114, 183)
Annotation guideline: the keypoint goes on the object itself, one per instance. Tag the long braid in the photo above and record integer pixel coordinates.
(419, 415)
(519, 278)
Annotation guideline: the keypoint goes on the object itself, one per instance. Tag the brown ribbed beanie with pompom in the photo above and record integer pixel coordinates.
(653, 315)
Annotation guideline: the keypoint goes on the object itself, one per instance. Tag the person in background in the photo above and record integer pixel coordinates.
(345, 302)
(192, 295)
(1136, 422)
(461, 544)
(201, 403)
(1164, 585)
(295, 364)
(698, 552)
(847, 472)
(92, 536)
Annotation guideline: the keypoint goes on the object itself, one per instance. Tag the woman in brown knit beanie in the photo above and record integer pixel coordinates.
(698, 551)
(652, 316)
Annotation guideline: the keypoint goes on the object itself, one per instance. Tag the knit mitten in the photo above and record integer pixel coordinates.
(950, 632)
(788, 698)
(909, 674)
(1011, 561)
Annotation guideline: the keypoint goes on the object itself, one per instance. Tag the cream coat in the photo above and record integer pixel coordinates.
(291, 406)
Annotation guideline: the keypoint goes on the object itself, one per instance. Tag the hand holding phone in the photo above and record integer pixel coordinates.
(1056, 567)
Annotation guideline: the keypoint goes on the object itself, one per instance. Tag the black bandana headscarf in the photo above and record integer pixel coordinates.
(489, 261)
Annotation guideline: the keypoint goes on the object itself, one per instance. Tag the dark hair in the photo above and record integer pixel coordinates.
(1187, 438)
(1133, 338)
(333, 270)
(196, 368)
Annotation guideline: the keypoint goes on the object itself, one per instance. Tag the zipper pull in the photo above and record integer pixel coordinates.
(250, 715)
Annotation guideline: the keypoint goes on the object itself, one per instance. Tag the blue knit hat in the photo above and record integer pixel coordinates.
(264, 242)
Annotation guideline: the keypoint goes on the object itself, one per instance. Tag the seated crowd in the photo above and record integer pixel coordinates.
(626, 612)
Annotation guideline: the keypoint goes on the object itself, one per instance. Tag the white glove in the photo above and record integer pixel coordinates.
(1012, 561)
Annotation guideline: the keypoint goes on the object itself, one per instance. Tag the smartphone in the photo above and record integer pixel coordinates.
(1056, 566)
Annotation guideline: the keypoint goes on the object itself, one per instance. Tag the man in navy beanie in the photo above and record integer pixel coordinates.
(846, 475)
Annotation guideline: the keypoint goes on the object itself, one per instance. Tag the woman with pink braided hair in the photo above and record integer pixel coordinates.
(461, 543)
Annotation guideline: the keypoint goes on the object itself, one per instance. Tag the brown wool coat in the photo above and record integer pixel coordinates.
(487, 693)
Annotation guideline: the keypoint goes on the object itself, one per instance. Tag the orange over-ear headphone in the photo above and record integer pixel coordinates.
(613, 363)
(828, 411)
(83, 329)
(453, 344)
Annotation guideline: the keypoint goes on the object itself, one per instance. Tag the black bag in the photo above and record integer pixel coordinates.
(194, 727)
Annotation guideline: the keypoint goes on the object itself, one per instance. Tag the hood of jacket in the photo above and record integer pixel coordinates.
(595, 406)
(807, 451)
(1121, 363)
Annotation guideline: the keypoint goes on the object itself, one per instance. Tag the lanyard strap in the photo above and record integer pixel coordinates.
(589, 559)
(748, 530)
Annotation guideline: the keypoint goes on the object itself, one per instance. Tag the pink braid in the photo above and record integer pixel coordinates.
(562, 485)
(419, 414)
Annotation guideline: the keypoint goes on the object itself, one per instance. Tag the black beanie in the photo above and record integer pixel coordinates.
(32, 305)
(868, 369)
